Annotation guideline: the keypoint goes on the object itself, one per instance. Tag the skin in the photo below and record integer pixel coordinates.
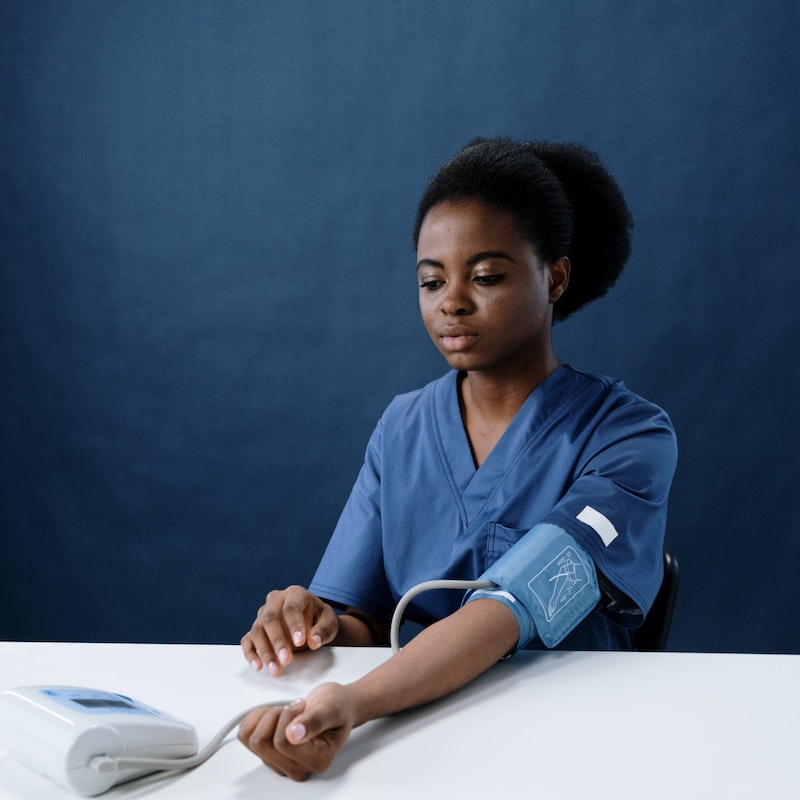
(486, 300)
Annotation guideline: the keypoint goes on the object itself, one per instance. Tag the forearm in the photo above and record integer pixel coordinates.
(441, 659)
(303, 738)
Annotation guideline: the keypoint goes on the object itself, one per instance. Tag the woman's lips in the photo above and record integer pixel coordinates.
(457, 338)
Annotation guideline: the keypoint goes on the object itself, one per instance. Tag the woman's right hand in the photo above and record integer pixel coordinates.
(290, 619)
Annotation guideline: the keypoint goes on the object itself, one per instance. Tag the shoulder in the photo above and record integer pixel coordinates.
(410, 416)
(611, 413)
(610, 393)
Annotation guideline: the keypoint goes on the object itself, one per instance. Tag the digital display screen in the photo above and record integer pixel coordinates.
(93, 702)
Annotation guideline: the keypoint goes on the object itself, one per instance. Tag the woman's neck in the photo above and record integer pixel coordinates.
(490, 402)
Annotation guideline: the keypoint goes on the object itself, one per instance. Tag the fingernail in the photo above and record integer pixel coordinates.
(255, 664)
(283, 655)
(316, 641)
(273, 668)
(297, 731)
(297, 638)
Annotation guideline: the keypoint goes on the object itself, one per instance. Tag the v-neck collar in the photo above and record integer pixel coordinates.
(472, 485)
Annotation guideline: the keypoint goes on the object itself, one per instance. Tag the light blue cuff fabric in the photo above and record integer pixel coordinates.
(548, 580)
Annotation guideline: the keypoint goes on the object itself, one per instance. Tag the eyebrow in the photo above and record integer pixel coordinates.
(471, 261)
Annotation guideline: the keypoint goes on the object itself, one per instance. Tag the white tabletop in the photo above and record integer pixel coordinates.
(593, 725)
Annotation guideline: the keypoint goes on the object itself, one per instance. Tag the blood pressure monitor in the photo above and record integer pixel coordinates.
(81, 738)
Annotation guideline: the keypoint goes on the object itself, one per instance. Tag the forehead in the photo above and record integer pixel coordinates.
(469, 223)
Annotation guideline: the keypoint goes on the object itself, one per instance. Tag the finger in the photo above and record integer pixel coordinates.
(258, 719)
(310, 734)
(291, 727)
(251, 652)
(248, 648)
(257, 732)
(298, 611)
(272, 637)
(324, 629)
(324, 709)
(299, 761)
(258, 647)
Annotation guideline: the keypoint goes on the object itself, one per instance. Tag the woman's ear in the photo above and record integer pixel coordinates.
(559, 277)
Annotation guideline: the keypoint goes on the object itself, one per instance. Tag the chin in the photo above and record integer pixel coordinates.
(460, 362)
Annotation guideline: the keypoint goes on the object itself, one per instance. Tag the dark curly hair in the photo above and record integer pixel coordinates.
(566, 202)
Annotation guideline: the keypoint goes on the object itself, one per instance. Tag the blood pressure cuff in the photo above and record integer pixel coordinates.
(547, 580)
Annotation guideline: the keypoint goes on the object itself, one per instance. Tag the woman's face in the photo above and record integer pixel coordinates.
(485, 295)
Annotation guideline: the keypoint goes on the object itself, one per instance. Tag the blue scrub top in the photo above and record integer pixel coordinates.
(583, 453)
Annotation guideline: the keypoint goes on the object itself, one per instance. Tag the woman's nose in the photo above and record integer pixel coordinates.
(455, 301)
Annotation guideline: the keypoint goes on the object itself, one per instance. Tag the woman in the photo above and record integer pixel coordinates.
(510, 447)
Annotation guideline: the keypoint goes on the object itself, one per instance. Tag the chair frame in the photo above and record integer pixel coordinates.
(652, 634)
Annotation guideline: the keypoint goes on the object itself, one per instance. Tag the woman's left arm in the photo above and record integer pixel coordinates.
(304, 737)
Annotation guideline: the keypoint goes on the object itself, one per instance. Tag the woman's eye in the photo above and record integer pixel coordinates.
(430, 284)
(488, 280)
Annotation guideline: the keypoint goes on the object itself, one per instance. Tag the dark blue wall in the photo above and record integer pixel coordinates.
(207, 290)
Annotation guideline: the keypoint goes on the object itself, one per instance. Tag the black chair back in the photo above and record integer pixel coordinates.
(653, 633)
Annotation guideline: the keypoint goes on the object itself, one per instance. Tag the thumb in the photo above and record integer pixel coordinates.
(322, 710)
(296, 729)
